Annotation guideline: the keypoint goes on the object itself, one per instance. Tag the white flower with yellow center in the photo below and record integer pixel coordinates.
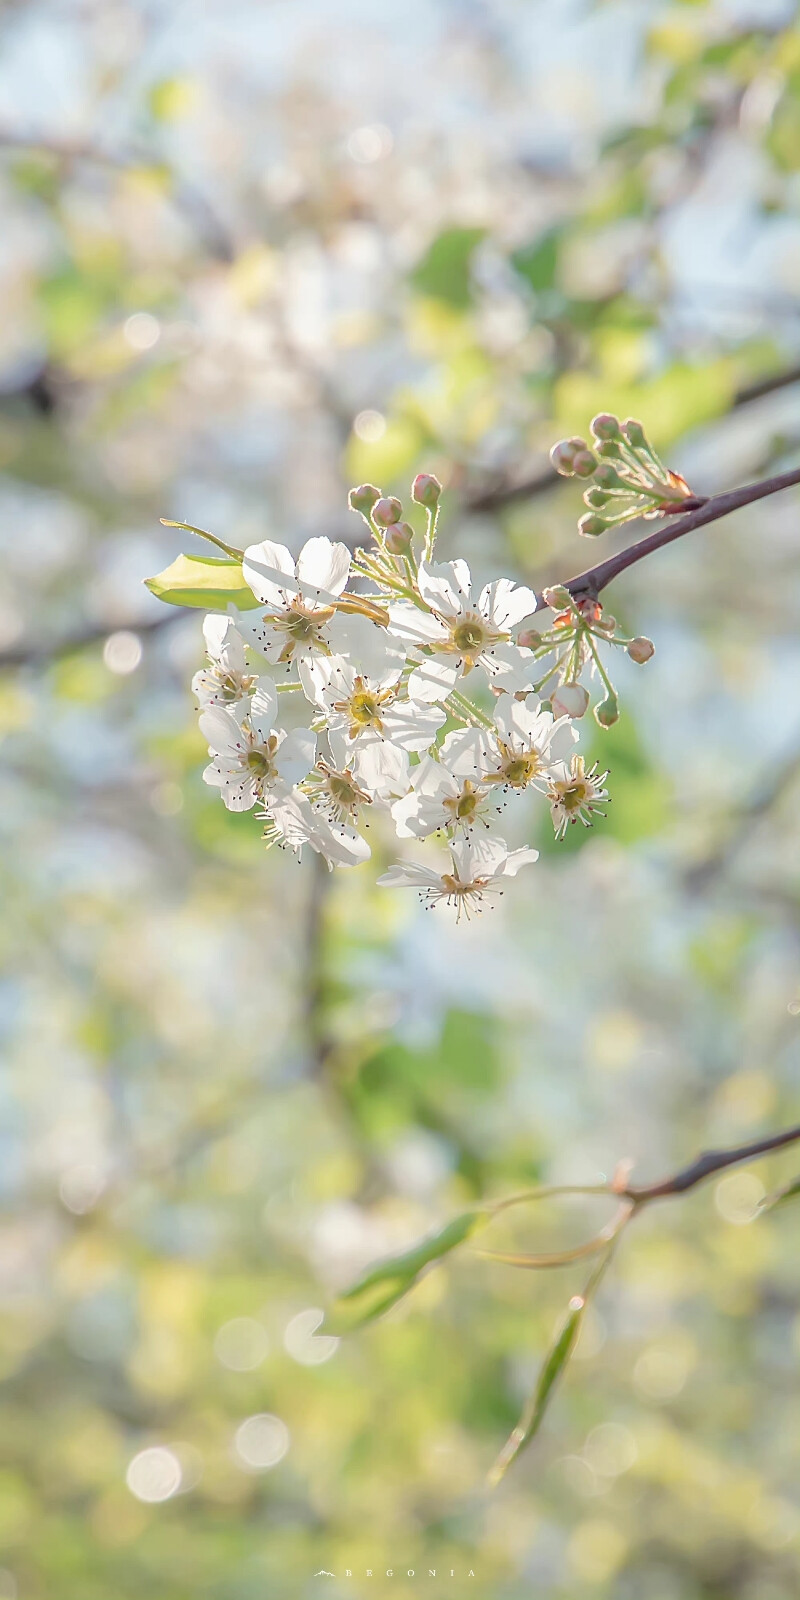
(226, 680)
(528, 746)
(250, 756)
(459, 633)
(370, 706)
(479, 868)
(354, 778)
(576, 795)
(446, 793)
(300, 598)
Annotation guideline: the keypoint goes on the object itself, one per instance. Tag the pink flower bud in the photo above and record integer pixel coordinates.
(386, 511)
(562, 456)
(398, 538)
(569, 700)
(529, 639)
(426, 490)
(605, 426)
(641, 649)
(584, 464)
(363, 498)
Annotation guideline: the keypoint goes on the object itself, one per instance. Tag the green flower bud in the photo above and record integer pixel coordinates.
(608, 477)
(584, 464)
(398, 538)
(641, 649)
(605, 426)
(635, 434)
(426, 490)
(597, 498)
(609, 450)
(363, 499)
(386, 511)
(607, 713)
(591, 525)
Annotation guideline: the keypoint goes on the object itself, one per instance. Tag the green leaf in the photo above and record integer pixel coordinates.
(383, 1285)
(445, 272)
(210, 582)
(554, 1363)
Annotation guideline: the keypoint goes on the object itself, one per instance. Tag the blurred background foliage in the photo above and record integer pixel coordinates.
(252, 253)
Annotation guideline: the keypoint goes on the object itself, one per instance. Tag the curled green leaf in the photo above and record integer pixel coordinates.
(210, 582)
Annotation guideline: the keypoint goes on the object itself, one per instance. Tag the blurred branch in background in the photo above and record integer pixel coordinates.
(212, 233)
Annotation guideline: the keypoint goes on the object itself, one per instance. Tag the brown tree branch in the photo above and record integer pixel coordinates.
(40, 655)
(706, 1165)
(594, 579)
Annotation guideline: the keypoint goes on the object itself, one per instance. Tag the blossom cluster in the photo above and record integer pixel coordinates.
(382, 681)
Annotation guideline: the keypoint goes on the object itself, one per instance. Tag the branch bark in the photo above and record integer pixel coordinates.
(706, 1165)
(594, 579)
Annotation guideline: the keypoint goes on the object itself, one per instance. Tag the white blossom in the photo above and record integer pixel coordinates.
(575, 794)
(370, 706)
(459, 633)
(446, 793)
(249, 758)
(226, 680)
(479, 866)
(528, 746)
(300, 598)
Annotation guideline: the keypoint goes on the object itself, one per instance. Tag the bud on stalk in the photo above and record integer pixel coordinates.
(607, 713)
(398, 538)
(569, 700)
(363, 499)
(426, 490)
(641, 649)
(386, 511)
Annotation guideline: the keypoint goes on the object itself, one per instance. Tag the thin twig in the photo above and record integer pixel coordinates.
(706, 1165)
(41, 655)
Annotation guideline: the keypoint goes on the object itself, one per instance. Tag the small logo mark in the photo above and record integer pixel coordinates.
(323, 1573)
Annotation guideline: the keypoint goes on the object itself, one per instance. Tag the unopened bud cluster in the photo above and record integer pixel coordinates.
(579, 629)
(629, 478)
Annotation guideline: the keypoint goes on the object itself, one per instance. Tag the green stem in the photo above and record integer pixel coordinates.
(229, 549)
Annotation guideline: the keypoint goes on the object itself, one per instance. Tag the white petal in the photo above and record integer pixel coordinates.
(269, 570)
(413, 626)
(505, 604)
(434, 679)
(469, 753)
(517, 859)
(478, 855)
(445, 585)
(382, 769)
(509, 667)
(323, 569)
(376, 654)
(412, 726)
(263, 707)
(296, 755)
(410, 875)
(222, 731)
